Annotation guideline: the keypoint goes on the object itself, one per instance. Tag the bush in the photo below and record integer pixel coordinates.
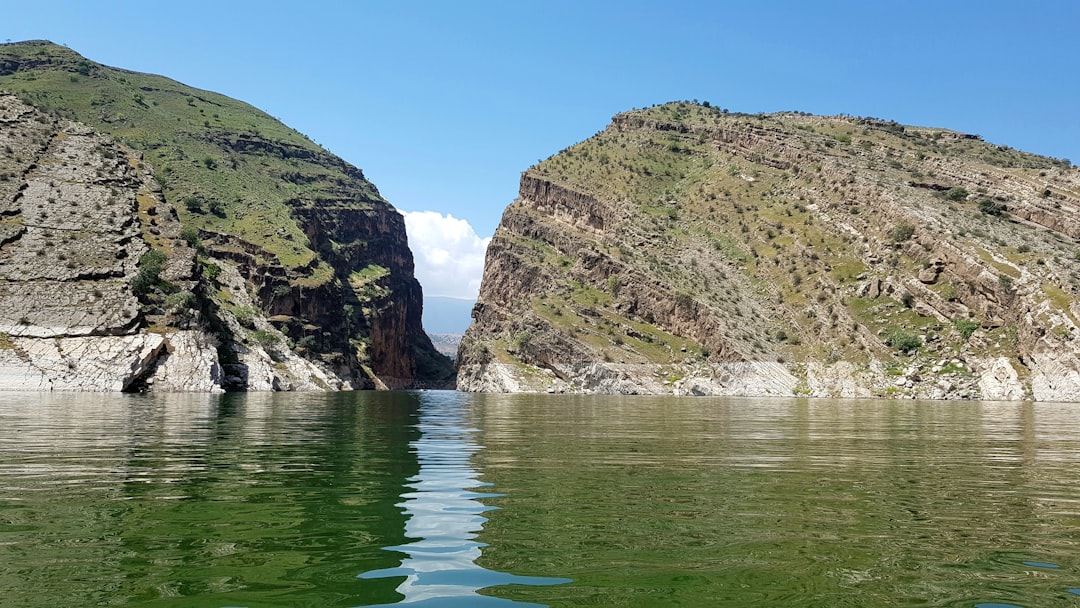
(181, 300)
(149, 275)
(966, 327)
(989, 207)
(1006, 282)
(901, 232)
(245, 315)
(521, 340)
(903, 341)
(210, 270)
(264, 338)
(956, 194)
(191, 236)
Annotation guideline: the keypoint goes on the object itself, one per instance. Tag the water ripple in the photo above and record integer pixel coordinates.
(445, 516)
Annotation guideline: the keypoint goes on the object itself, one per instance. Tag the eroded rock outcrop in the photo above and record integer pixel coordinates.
(688, 250)
(133, 204)
(87, 363)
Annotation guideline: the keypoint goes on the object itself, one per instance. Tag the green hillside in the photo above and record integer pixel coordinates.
(322, 253)
(227, 166)
(683, 237)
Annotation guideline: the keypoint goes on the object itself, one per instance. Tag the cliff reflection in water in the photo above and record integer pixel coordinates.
(445, 515)
(210, 500)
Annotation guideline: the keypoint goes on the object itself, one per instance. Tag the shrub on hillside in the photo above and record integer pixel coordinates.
(903, 341)
(901, 232)
(989, 207)
(966, 327)
(956, 194)
(149, 275)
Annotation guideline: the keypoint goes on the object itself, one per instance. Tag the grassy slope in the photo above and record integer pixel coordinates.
(230, 169)
(187, 135)
(755, 231)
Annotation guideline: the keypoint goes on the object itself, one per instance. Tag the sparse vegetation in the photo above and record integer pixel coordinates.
(965, 327)
(989, 207)
(957, 194)
(901, 232)
(148, 278)
(159, 123)
(903, 341)
(749, 238)
(706, 246)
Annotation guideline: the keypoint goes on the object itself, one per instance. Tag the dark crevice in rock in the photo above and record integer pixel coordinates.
(138, 381)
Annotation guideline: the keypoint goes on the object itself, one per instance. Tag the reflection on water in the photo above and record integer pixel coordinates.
(445, 515)
(182, 501)
(200, 500)
(648, 501)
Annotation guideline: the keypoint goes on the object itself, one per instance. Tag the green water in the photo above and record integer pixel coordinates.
(447, 499)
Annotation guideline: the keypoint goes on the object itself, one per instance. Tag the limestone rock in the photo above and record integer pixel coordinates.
(189, 365)
(83, 198)
(998, 380)
(929, 275)
(643, 260)
(836, 381)
(50, 309)
(89, 363)
(1055, 376)
(733, 379)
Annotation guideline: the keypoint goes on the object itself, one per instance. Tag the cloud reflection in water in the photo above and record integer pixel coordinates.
(445, 516)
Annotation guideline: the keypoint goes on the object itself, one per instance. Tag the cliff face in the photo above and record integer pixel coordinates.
(70, 207)
(688, 250)
(273, 264)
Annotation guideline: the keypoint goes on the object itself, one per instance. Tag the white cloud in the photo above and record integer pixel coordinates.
(448, 253)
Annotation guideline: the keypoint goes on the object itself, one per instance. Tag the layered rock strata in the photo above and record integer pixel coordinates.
(274, 265)
(689, 250)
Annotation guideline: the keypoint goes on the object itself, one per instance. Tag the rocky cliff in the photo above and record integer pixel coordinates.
(689, 250)
(158, 237)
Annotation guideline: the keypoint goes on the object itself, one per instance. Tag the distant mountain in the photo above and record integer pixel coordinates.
(687, 249)
(216, 237)
(444, 315)
(447, 344)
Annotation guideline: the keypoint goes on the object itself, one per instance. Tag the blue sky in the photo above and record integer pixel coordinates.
(443, 104)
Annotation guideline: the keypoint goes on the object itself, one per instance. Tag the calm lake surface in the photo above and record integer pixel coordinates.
(448, 499)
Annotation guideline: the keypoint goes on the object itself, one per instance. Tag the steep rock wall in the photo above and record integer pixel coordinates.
(325, 273)
(693, 251)
(80, 310)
